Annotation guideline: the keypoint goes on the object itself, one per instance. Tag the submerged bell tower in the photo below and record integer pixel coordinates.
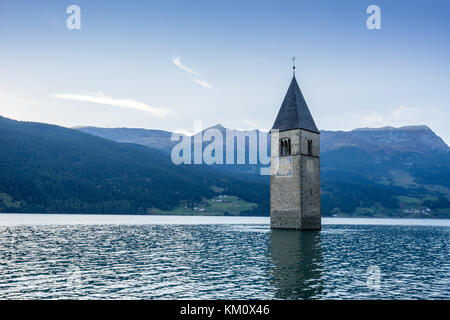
(295, 165)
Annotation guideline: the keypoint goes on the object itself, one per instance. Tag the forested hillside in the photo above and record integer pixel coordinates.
(398, 172)
(387, 171)
(46, 168)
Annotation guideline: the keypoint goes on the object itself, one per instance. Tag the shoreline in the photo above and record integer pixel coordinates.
(16, 219)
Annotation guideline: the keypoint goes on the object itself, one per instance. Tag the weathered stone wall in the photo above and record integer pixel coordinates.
(310, 177)
(308, 135)
(285, 190)
(295, 198)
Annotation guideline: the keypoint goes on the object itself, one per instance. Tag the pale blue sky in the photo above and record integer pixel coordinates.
(233, 63)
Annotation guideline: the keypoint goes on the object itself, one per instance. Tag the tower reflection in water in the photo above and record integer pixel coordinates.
(297, 263)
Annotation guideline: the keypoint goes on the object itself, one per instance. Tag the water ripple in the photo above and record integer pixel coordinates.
(222, 261)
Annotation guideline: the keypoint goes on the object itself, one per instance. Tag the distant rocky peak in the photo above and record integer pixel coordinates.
(418, 138)
(389, 128)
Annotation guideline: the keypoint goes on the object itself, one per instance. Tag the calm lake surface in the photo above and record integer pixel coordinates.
(185, 257)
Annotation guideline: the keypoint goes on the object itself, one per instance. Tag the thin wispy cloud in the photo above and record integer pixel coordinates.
(177, 62)
(101, 98)
(204, 83)
(253, 124)
(370, 119)
(403, 112)
(401, 116)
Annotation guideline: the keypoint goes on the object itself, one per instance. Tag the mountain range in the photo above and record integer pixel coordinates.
(52, 169)
(364, 172)
(393, 172)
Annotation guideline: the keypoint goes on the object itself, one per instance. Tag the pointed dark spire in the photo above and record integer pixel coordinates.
(294, 112)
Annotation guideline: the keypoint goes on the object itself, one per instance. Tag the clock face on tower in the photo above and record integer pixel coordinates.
(284, 167)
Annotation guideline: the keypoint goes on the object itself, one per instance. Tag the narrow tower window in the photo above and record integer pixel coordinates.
(309, 147)
(285, 147)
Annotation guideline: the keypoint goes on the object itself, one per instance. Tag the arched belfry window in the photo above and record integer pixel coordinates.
(310, 147)
(285, 147)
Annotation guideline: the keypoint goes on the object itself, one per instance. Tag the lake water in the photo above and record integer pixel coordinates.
(185, 257)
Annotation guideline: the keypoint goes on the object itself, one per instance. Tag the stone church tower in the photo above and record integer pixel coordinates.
(295, 165)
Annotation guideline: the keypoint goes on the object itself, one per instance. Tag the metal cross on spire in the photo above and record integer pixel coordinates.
(293, 65)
